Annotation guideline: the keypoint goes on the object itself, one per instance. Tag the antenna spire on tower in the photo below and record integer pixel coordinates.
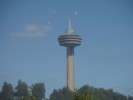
(69, 27)
(69, 30)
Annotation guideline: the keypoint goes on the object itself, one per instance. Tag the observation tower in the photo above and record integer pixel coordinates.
(70, 40)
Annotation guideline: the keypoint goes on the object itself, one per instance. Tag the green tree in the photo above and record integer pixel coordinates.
(21, 89)
(83, 96)
(38, 90)
(130, 98)
(61, 94)
(28, 98)
(7, 92)
(87, 92)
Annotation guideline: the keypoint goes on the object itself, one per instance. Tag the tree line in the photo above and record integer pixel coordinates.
(37, 92)
(22, 90)
(87, 92)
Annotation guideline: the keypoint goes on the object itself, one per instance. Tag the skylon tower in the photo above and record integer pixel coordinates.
(70, 40)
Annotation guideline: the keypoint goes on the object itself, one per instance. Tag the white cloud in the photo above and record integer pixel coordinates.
(33, 30)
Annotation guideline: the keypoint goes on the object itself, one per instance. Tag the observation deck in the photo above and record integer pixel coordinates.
(70, 38)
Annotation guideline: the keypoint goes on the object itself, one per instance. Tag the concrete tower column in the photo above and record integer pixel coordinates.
(70, 68)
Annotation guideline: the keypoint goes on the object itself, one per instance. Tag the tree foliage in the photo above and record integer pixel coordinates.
(61, 94)
(28, 98)
(38, 90)
(21, 89)
(87, 92)
(101, 93)
(7, 92)
(85, 96)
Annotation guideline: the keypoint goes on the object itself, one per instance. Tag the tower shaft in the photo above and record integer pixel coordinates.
(70, 68)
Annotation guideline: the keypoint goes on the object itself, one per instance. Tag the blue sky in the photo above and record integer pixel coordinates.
(29, 49)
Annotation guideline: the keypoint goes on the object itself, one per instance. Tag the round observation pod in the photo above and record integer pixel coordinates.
(69, 40)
